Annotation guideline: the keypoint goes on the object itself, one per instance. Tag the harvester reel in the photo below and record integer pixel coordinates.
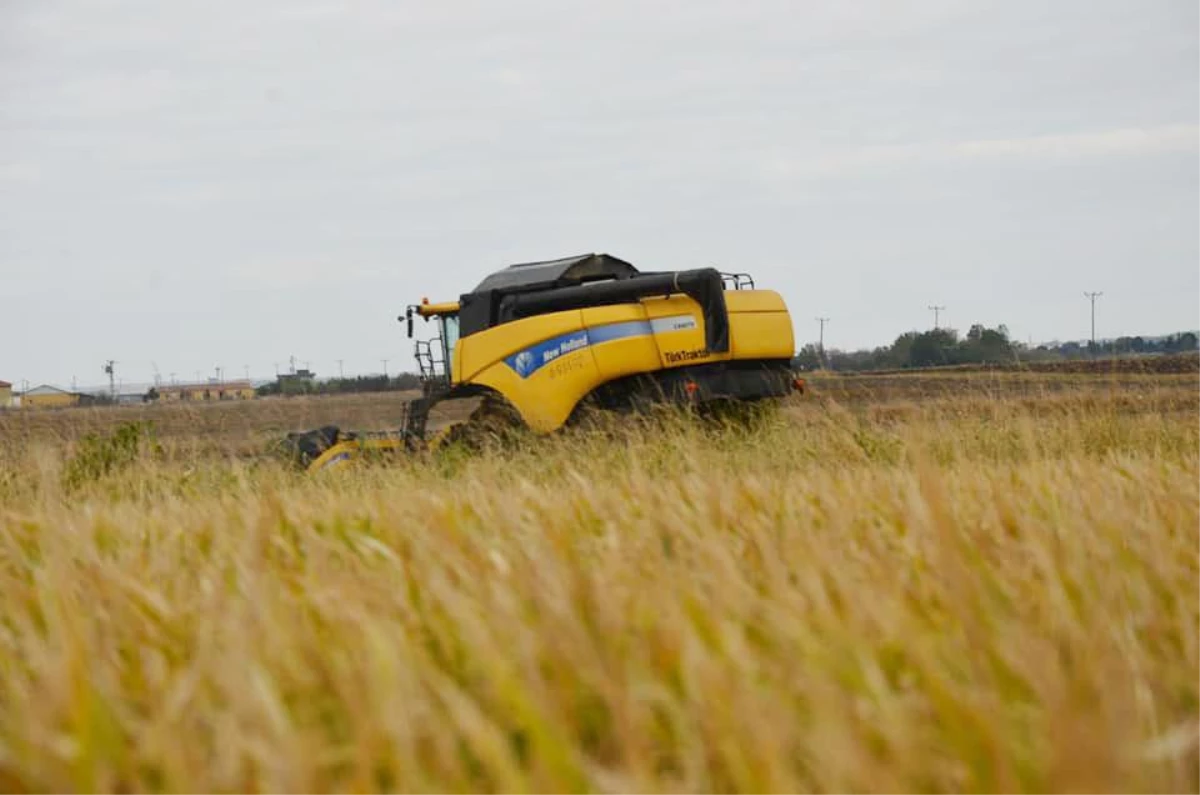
(305, 447)
(329, 447)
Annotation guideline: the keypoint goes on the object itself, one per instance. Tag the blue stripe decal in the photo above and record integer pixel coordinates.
(534, 358)
(618, 331)
(530, 360)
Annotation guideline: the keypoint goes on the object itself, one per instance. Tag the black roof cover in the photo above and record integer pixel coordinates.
(558, 272)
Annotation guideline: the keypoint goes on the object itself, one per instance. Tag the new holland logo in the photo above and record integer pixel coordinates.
(573, 343)
(524, 363)
(527, 362)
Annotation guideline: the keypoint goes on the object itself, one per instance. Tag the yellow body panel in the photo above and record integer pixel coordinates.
(761, 335)
(545, 399)
(763, 329)
(754, 301)
(544, 365)
(622, 357)
(679, 347)
(479, 351)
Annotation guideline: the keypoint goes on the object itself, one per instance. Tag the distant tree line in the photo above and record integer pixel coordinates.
(340, 386)
(1183, 342)
(932, 348)
(981, 345)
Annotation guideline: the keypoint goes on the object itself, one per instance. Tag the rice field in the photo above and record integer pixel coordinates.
(982, 584)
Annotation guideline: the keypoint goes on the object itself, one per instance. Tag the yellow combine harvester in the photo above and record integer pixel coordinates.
(534, 343)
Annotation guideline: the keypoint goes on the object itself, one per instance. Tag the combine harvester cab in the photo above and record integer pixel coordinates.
(534, 342)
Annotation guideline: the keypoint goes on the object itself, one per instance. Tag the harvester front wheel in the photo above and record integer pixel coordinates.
(494, 421)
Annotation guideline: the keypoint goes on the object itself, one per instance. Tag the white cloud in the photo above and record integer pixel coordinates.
(856, 161)
(282, 272)
(16, 173)
(1132, 141)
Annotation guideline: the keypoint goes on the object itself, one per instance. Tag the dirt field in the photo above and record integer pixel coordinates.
(1163, 364)
(1133, 390)
(246, 426)
(246, 429)
(225, 422)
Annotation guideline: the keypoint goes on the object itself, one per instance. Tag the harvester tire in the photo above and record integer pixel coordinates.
(494, 422)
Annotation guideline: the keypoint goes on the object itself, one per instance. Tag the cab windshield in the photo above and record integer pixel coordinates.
(449, 339)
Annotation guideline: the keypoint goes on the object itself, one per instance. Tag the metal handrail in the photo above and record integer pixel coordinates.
(737, 281)
(431, 365)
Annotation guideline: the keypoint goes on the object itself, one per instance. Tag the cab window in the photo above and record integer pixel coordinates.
(449, 337)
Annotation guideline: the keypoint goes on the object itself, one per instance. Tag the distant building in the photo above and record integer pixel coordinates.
(300, 376)
(49, 397)
(6, 395)
(211, 391)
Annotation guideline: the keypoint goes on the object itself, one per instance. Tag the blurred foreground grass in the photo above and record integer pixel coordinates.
(964, 594)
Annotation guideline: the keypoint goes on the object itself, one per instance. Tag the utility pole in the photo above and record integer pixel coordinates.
(246, 370)
(1092, 297)
(218, 369)
(341, 375)
(385, 361)
(112, 385)
(937, 311)
(821, 344)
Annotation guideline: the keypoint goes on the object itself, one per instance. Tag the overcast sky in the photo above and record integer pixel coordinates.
(193, 184)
